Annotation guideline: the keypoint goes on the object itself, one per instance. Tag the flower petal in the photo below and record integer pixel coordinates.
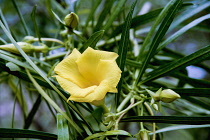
(73, 89)
(108, 70)
(68, 69)
(89, 60)
(98, 94)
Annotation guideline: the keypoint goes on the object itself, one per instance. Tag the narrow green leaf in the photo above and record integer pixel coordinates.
(32, 113)
(193, 58)
(22, 133)
(190, 12)
(170, 119)
(57, 17)
(21, 17)
(179, 127)
(114, 14)
(39, 71)
(106, 10)
(3, 41)
(57, 108)
(138, 20)
(33, 16)
(5, 22)
(59, 7)
(109, 133)
(194, 82)
(22, 75)
(148, 54)
(123, 48)
(182, 31)
(92, 12)
(62, 127)
(177, 55)
(12, 66)
(13, 112)
(133, 63)
(197, 101)
(15, 61)
(167, 11)
(92, 41)
(200, 92)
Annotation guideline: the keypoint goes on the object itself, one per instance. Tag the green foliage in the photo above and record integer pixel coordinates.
(155, 51)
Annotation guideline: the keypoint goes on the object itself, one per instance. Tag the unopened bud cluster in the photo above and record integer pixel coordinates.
(71, 20)
(166, 95)
(26, 47)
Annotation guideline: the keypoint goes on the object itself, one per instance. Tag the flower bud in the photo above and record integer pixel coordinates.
(11, 48)
(143, 134)
(26, 47)
(156, 96)
(155, 106)
(28, 39)
(168, 96)
(71, 20)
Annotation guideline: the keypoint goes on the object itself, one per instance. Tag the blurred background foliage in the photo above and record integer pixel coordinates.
(18, 97)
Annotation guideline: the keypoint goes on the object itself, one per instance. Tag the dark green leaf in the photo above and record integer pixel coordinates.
(12, 66)
(109, 133)
(138, 20)
(33, 16)
(5, 23)
(197, 101)
(33, 111)
(200, 92)
(91, 42)
(182, 31)
(114, 14)
(194, 82)
(57, 17)
(22, 75)
(22, 133)
(21, 17)
(170, 119)
(158, 37)
(62, 127)
(195, 9)
(193, 58)
(106, 10)
(93, 9)
(123, 48)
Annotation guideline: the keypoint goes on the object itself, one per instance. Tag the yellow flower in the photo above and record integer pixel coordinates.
(88, 76)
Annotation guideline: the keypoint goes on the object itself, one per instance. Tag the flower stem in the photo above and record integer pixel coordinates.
(118, 120)
(129, 107)
(50, 40)
(153, 124)
(127, 98)
(83, 39)
(105, 109)
(141, 123)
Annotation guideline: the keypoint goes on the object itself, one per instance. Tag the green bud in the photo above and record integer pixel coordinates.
(143, 135)
(156, 96)
(71, 20)
(28, 39)
(11, 48)
(26, 47)
(168, 96)
(155, 106)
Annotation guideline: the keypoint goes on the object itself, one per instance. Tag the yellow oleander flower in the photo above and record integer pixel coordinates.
(88, 76)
